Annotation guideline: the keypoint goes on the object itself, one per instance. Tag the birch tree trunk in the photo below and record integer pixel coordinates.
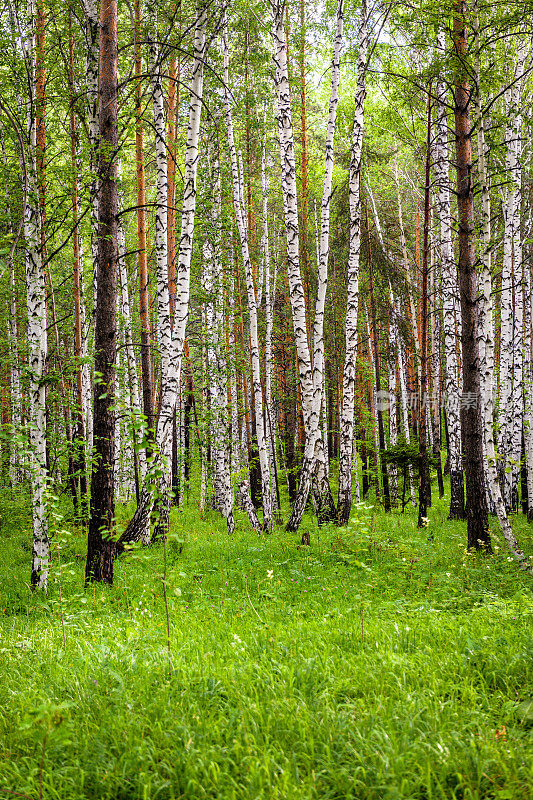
(511, 370)
(15, 396)
(92, 36)
(252, 303)
(352, 302)
(79, 415)
(135, 430)
(270, 296)
(450, 298)
(517, 405)
(139, 524)
(216, 384)
(486, 337)
(404, 401)
(310, 380)
(37, 338)
(164, 325)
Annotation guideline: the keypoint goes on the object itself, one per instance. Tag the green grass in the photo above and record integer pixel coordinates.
(381, 662)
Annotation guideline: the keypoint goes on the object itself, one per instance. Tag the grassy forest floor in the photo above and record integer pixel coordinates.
(382, 662)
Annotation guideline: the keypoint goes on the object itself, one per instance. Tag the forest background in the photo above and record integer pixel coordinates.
(267, 268)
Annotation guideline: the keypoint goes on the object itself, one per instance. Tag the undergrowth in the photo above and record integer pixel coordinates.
(382, 662)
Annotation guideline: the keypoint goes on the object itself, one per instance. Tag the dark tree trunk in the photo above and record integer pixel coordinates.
(471, 422)
(187, 418)
(364, 459)
(101, 547)
(175, 462)
(290, 455)
(523, 477)
(447, 439)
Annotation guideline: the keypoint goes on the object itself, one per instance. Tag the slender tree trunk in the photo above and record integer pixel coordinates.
(218, 407)
(310, 379)
(76, 239)
(92, 59)
(270, 296)
(304, 208)
(486, 338)
(138, 525)
(144, 300)
(37, 338)
(352, 302)
(122, 276)
(164, 323)
(101, 547)
(450, 298)
(377, 373)
(252, 307)
(424, 486)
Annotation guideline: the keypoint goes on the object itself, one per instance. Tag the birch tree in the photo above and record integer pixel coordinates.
(512, 344)
(486, 329)
(139, 526)
(252, 300)
(352, 302)
(310, 378)
(450, 300)
(37, 327)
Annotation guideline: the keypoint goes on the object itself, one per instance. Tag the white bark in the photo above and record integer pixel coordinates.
(270, 296)
(450, 299)
(486, 335)
(310, 380)
(352, 301)
(235, 464)
(92, 32)
(511, 369)
(404, 405)
(216, 383)
(136, 430)
(37, 339)
(139, 525)
(15, 396)
(252, 301)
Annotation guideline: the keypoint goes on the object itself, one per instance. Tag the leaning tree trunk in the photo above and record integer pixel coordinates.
(449, 302)
(352, 301)
(141, 519)
(101, 547)
(486, 339)
(472, 430)
(37, 338)
(311, 393)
